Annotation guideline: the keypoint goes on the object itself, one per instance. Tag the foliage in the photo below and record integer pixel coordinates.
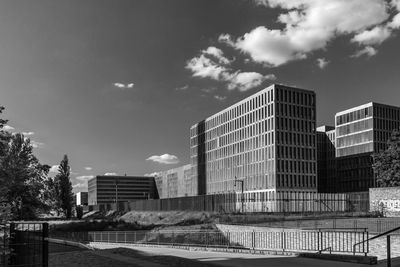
(22, 178)
(63, 183)
(79, 212)
(387, 163)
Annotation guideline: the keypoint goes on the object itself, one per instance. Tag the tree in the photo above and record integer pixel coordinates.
(386, 164)
(63, 182)
(22, 178)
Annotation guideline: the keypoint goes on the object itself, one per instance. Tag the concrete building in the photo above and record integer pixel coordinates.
(267, 140)
(177, 182)
(81, 198)
(326, 159)
(360, 132)
(111, 189)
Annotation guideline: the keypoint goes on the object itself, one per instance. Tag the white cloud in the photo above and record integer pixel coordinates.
(226, 38)
(110, 174)
(204, 67)
(8, 128)
(54, 169)
(84, 177)
(395, 23)
(322, 63)
(396, 4)
(219, 97)
(218, 54)
(36, 144)
(182, 88)
(218, 69)
(208, 90)
(164, 159)
(28, 133)
(309, 25)
(368, 51)
(124, 86)
(244, 81)
(153, 174)
(88, 168)
(375, 36)
(79, 185)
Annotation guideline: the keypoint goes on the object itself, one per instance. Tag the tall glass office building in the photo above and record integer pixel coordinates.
(326, 159)
(267, 140)
(361, 131)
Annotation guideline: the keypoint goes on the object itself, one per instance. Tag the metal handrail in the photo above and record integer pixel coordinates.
(374, 237)
(325, 249)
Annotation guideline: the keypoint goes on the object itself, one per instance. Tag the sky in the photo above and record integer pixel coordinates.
(116, 85)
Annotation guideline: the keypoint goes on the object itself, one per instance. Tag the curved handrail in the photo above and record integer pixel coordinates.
(374, 237)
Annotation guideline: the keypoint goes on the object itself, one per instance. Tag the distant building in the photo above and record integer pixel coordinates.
(81, 198)
(110, 189)
(326, 159)
(360, 132)
(267, 140)
(177, 182)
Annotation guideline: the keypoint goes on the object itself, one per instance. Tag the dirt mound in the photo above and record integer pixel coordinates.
(167, 218)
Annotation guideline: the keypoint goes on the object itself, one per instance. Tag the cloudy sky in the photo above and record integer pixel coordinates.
(116, 85)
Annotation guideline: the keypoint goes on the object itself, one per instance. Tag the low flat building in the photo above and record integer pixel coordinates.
(104, 189)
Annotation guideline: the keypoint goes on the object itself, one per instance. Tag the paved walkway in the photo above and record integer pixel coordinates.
(240, 260)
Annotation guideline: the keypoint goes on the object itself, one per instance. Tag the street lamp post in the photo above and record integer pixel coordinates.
(116, 193)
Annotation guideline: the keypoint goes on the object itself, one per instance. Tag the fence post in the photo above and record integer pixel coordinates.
(253, 240)
(229, 236)
(45, 244)
(389, 260)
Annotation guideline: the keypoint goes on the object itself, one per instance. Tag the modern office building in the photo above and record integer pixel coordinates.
(81, 198)
(177, 182)
(111, 189)
(360, 132)
(266, 142)
(326, 159)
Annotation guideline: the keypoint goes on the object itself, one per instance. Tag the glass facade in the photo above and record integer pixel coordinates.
(267, 140)
(177, 182)
(360, 132)
(354, 131)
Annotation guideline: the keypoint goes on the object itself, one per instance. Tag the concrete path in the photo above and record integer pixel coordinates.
(240, 260)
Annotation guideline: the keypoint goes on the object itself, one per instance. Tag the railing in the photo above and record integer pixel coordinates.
(374, 225)
(334, 240)
(24, 245)
(388, 252)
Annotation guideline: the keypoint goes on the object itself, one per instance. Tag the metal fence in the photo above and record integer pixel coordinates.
(332, 240)
(280, 202)
(373, 225)
(24, 245)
